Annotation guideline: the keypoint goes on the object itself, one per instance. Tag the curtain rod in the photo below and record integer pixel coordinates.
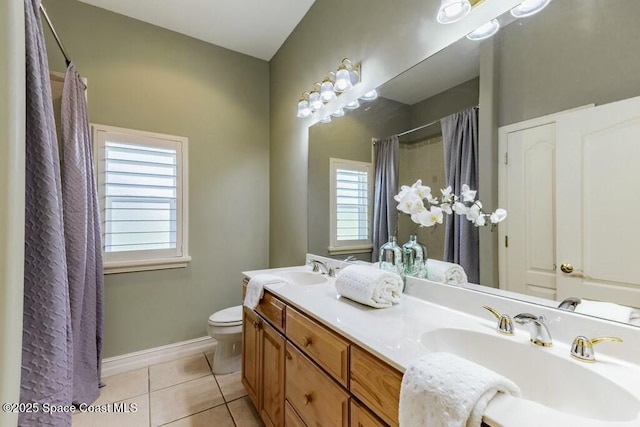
(55, 34)
(407, 132)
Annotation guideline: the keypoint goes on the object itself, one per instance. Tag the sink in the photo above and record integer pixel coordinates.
(544, 377)
(302, 277)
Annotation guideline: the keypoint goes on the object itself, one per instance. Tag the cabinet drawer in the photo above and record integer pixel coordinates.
(362, 417)
(376, 384)
(317, 399)
(326, 348)
(272, 309)
(291, 418)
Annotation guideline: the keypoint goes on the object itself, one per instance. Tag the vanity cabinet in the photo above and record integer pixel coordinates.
(299, 373)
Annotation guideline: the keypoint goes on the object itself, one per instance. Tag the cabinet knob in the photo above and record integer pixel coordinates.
(287, 355)
(566, 268)
(306, 341)
(307, 398)
(257, 324)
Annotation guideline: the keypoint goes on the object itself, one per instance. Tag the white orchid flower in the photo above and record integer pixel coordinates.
(474, 211)
(498, 216)
(446, 208)
(410, 203)
(468, 195)
(460, 208)
(424, 191)
(428, 218)
(447, 197)
(403, 192)
(480, 221)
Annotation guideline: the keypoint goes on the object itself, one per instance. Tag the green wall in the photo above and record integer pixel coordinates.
(144, 77)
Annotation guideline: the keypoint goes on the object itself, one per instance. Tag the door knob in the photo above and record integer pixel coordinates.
(566, 268)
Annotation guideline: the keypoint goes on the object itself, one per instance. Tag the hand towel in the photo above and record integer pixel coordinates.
(255, 288)
(444, 390)
(608, 310)
(371, 286)
(445, 272)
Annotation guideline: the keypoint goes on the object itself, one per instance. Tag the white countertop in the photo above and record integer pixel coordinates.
(394, 335)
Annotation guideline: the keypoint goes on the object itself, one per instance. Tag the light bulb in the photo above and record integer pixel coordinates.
(369, 96)
(352, 105)
(303, 109)
(326, 91)
(485, 31)
(529, 7)
(453, 10)
(314, 101)
(326, 119)
(343, 81)
(338, 113)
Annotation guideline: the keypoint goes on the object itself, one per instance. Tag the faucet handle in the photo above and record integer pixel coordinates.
(313, 263)
(582, 347)
(505, 324)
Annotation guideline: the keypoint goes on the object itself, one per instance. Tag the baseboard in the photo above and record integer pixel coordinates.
(140, 359)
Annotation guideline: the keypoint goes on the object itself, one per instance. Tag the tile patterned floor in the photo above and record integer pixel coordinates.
(180, 393)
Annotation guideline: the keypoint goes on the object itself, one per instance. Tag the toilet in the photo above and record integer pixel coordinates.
(225, 326)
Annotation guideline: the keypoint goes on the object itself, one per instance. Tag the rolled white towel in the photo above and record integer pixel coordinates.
(608, 310)
(444, 390)
(371, 286)
(445, 272)
(255, 288)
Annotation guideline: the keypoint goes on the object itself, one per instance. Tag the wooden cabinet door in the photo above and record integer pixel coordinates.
(362, 417)
(272, 393)
(251, 356)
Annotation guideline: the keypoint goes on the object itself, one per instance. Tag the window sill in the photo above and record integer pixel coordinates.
(346, 250)
(145, 265)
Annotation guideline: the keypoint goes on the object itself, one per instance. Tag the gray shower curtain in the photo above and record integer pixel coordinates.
(82, 239)
(460, 140)
(47, 339)
(385, 213)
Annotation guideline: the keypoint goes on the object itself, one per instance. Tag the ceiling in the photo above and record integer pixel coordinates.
(254, 27)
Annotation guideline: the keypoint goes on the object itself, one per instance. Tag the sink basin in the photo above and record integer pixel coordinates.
(302, 277)
(543, 376)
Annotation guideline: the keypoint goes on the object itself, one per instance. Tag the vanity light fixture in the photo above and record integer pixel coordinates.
(338, 113)
(352, 105)
(529, 7)
(485, 31)
(326, 90)
(369, 96)
(304, 110)
(314, 101)
(346, 76)
(454, 10)
(326, 119)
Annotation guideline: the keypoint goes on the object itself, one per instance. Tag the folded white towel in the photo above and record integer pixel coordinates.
(608, 310)
(255, 288)
(445, 272)
(444, 390)
(371, 286)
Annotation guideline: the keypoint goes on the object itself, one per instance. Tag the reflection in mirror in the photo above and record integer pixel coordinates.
(575, 53)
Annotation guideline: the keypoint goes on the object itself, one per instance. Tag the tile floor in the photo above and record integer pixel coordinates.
(179, 393)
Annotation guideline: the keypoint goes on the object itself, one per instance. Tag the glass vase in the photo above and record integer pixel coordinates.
(415, 258)
(391, 257)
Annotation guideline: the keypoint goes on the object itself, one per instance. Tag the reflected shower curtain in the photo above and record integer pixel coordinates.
(47, 339)
(82, 239)
(460, 140)
(385, 214)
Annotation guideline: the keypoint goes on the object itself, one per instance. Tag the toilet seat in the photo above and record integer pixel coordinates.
(228, 317)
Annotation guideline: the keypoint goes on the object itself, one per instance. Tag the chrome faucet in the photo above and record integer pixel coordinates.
(582, 347)
(350, 258)
(319, 265)
(505, 325)
(537, 328)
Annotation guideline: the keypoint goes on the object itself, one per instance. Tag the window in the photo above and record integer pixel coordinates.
(142, 188)
(351, 196)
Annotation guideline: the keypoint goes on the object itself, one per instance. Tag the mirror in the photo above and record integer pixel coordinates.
(571, 54)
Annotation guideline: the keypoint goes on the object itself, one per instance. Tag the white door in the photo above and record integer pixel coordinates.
(598, 203)
(530, 202)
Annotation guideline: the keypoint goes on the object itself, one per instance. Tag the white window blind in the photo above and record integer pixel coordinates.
(141, 179)
(351, 187)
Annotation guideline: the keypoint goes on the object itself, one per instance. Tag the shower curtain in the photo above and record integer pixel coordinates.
(460, 140)
(82, 239)
(385, 214)
(47, 339)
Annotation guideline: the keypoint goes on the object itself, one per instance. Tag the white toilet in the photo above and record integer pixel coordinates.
(225, 326)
